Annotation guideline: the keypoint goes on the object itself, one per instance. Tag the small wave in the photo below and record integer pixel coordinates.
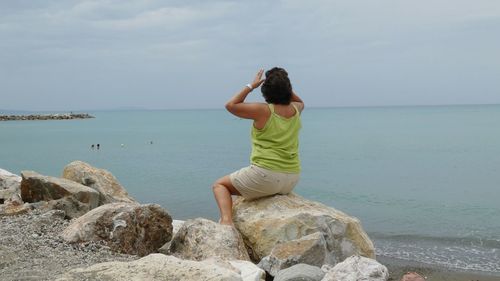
(463, 253)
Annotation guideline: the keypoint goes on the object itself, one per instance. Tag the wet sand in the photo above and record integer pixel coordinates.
(397, 268)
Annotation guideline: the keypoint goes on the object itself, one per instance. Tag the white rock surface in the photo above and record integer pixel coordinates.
(357, 268)
(199, 239)
(153, 267)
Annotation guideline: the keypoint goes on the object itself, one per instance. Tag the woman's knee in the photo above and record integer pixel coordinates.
(225, 182)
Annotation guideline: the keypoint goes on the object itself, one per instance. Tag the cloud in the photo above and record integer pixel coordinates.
(377, 47)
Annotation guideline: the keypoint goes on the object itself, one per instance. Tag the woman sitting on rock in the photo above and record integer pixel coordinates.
(275, 164)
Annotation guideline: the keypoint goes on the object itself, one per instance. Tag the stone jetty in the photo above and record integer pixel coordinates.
(56, 116)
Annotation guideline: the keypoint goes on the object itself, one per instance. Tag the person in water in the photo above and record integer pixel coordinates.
(274, 161)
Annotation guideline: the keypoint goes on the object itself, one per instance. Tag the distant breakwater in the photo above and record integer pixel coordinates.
(56, 116)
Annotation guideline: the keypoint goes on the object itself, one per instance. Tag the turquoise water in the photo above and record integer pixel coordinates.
(424, 181)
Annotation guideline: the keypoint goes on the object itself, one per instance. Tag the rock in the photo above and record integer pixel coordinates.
(248, 270)
(412, 276)
(152, 267)
(127, 228)
(176, 224)
(101, 180)
(12, 209)
(268, 221)
(199, 239)
(357, 268)
(310, 249)
(300, 272)
(9, 180)
(73, 198)
(10, 185)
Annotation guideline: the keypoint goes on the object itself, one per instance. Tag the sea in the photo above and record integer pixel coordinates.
(423, 180)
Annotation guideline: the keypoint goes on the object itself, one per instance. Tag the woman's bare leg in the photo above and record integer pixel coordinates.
(223, 189)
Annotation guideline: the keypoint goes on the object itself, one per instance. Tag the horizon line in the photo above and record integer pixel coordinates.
(125, 108)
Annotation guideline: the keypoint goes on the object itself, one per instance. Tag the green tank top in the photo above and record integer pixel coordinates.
(276, 146)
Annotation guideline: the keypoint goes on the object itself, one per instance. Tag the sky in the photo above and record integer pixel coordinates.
(112, 54)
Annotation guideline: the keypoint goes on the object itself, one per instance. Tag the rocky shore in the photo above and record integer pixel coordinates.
(84, 226)
(57, 116)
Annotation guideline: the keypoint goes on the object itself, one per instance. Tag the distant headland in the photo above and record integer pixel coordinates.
(56, 116)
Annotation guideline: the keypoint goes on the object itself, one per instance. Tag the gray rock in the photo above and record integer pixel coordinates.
(357, 268)
(310, 249)
(300, 272)
(153, 267)
(110, 190)
(269, 221)
(199, 239)
(125, 227)
(73, 198)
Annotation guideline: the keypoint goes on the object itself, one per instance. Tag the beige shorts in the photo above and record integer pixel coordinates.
(254, 182)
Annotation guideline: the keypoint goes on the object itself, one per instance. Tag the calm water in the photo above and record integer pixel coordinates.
(424, 181)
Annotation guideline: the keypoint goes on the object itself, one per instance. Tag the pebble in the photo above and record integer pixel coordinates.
(33, 242)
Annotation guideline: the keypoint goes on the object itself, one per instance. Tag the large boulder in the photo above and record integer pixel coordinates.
(266, 222)
(199, 239)
(357, 268)
(104, 182)
(73, 198)
(126, 227)
(310, 249)
(153, 267)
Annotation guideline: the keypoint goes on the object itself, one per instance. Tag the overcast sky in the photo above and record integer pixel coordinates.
(81, 55)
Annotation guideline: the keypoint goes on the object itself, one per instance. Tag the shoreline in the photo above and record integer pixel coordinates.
(55, 116)
(398, 267)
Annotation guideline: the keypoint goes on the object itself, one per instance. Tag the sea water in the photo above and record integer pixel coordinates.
(424, 181)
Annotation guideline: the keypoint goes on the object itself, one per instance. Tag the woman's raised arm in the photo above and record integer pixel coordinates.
(237, 105)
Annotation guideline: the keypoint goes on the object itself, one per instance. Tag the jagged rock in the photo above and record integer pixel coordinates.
(153, 267)
(300, 272)
(176, 225)
(310, 249)
(199, 239)
(126, 227)
(73, 198)
(357, 268)
(268, 221)
(104, 182)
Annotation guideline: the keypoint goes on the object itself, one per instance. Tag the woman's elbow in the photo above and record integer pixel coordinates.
(229, 106)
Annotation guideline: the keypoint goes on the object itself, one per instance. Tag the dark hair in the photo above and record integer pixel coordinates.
(277, 88)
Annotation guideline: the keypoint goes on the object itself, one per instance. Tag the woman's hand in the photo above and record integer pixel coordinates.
(258, 79)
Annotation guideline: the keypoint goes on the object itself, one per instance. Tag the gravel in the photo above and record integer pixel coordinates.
(31, 248)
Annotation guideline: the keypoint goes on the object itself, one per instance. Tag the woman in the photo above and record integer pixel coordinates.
(275, 165)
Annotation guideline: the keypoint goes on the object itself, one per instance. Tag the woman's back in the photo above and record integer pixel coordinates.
(276, 145)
